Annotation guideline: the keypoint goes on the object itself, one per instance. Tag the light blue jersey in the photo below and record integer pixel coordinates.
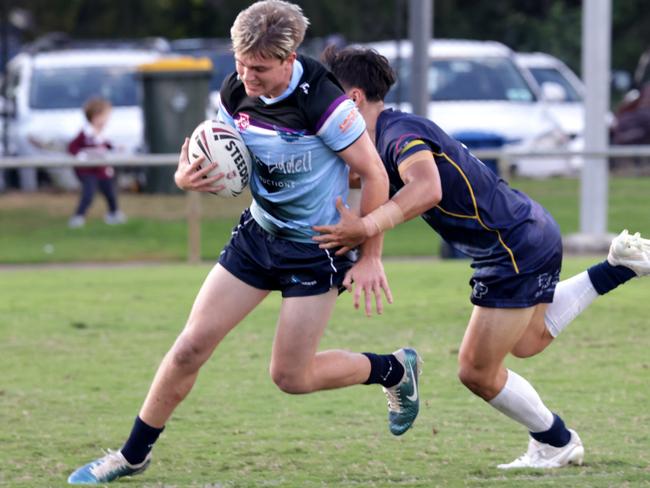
(294, 139)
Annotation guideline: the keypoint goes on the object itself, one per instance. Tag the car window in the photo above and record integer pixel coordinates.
(542, 75)
(57, 88)
(467, 79)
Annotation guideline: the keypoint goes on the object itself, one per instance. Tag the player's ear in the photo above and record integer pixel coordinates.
(356, 95)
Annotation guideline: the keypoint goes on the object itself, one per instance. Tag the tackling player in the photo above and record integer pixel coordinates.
(519, 306)
(304, 135)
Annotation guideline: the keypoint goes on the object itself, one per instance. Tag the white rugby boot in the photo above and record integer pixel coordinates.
(106, 469)
(631, 251)
(544, 456)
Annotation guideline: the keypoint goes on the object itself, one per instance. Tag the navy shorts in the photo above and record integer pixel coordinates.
(267, 262)
(537, 250)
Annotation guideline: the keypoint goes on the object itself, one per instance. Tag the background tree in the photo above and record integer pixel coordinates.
(552, 26)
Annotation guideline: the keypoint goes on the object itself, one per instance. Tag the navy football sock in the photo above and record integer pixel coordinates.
(140, 441)
(606, 277)
(557, 436)
(385, 370)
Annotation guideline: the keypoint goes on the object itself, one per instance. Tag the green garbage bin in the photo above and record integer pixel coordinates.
(175, 97)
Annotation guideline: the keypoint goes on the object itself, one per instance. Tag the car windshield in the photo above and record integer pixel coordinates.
(467, 79)
(58, 88)
(543, 75)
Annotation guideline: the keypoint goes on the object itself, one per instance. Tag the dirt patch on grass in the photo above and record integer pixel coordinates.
(161, 207)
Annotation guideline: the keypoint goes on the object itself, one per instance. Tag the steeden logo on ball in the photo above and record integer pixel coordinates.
(221, 143)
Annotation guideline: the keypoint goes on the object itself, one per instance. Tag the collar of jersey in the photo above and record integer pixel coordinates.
(295, 79)
(90, 133)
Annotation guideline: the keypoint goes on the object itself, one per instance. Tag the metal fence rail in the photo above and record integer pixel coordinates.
(505, 159)
(504, 156)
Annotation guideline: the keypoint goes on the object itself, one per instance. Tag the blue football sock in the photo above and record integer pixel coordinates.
(557, 436)
(140, 441)
(606, 277)
(385, 370)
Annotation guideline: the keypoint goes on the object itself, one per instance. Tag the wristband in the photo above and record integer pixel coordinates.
(383, 218)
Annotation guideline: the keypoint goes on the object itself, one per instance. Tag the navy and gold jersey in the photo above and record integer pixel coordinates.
(480, 214)
(294, 139)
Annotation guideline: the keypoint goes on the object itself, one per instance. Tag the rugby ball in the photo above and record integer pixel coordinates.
(221, 143)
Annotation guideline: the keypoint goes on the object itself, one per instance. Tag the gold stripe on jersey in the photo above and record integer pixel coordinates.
(476, 214)
(413, 143)
(416, 157)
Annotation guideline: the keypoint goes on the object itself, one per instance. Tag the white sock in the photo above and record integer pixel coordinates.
(519, 401)
(571, 297)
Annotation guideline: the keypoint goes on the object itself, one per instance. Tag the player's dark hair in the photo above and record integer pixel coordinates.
(357, 67)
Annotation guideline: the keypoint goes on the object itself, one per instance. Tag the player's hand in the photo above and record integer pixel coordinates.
(347, 234)
(367, 276)
(192, 177)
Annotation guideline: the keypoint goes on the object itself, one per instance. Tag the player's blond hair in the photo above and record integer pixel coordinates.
(269, 29)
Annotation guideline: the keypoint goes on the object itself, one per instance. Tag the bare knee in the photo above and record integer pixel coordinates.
(290, 381)
(187, 354)
(481, 382)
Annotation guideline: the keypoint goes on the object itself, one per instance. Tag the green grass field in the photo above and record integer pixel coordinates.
(79, 347)
(33, 227)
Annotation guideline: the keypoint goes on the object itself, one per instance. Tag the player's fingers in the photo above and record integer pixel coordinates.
(213, 178)
(183, 157)
(329, 245)
(322, 237)
(347, 281)
(322, 229)
(379, 304)
(203, 172)
(387, 292)
(368, 301)
(340, 206)
(196, 165)
(357, 296)
(217, 189)
(342, 251)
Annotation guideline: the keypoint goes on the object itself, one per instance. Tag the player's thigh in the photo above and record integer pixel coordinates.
(491, 334)
(536, 337)
(222, 302)
(300, 327)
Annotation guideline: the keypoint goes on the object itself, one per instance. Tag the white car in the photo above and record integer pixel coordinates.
(479, 96)
(47, 89)
(561, 89)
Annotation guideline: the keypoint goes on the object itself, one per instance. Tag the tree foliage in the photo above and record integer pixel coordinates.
(552, 26)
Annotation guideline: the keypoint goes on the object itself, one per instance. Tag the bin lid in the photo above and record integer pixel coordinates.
(177, 64)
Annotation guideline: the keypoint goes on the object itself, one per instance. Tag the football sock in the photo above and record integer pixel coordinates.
(385, 370)
(519, 401)
(140, 441)
(606, 277)
(557, 436)
(571, 297)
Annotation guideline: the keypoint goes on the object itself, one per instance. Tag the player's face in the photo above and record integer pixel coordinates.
(264, 76)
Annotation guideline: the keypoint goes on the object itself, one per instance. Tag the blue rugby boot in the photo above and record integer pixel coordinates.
(403, 398)
(106, 469)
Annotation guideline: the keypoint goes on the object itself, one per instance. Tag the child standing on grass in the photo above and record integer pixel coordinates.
(90, 143)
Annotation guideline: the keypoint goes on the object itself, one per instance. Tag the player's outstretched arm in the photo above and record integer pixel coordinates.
(367, 275)
(191, 177)
(421, 191)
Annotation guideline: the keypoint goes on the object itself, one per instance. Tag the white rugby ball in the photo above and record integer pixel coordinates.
(221, 143)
